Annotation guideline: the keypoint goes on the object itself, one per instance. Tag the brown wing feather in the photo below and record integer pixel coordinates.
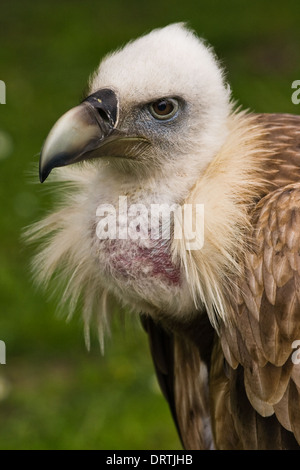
(182, 371)
(266, 316)
(162, 352)
(254, 387)
(192, 396)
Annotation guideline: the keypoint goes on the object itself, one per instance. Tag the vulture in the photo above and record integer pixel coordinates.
(185, 209)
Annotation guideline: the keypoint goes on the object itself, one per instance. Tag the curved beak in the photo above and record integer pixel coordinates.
(80, 132)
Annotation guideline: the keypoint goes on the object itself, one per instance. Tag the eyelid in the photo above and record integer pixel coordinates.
(162, 117)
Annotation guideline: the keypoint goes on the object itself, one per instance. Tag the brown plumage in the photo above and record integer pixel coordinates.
(222, 319)
(254, 387)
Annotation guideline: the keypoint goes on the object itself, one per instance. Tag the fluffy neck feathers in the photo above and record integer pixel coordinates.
(227, 188)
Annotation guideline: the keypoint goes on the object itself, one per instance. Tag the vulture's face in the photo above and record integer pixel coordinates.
(158, 99)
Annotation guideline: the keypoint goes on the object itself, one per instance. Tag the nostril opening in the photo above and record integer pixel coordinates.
(103, 114)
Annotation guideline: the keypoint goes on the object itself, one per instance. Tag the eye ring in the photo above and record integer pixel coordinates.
(164, 108)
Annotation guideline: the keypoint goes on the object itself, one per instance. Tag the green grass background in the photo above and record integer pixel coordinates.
(53, 393)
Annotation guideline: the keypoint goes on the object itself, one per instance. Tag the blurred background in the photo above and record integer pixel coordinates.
(54, 394)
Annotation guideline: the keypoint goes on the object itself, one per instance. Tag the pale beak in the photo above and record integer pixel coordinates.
(80, 132)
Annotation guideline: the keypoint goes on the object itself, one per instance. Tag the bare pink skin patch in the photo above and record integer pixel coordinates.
(130, 260)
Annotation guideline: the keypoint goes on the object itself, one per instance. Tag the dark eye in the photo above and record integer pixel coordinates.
(164, 108)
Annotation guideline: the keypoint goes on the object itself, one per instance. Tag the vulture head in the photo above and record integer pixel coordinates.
(160, 98)
(155, 143)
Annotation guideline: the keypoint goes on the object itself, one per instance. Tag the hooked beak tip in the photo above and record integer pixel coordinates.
(44, 172)
(42, 177)
(79, 131)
